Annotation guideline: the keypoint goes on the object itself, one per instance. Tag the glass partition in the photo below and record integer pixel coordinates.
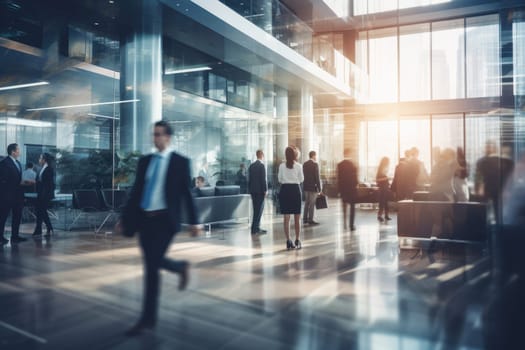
(518, 34)
(447, 132)
(414, 131)
(364, 7)
(448, 59)
(381, 141)
(483, 56)
(414, 62)
(275, 18)
(382, 61)
(70, 107)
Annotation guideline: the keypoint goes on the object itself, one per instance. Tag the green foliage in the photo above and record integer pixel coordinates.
(126, 167)
(76, 171)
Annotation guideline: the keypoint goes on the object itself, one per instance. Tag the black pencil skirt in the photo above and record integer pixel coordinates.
(290, 199)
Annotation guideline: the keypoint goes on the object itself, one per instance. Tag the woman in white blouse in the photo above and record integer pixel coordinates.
(290, 176)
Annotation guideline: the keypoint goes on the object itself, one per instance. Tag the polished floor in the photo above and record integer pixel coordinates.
(343, 290)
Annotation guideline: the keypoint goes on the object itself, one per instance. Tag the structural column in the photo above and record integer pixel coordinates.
(141, 75)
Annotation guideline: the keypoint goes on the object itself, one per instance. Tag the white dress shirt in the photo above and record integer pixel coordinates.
(290, 176)
(28, 175)
(158, 201)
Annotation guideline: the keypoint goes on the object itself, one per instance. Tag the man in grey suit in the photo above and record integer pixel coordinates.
(311, 187)
(258, 186)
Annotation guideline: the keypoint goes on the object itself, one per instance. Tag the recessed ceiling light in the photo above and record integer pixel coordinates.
(96, 23)
(26, 122)
(186, 70)
(82, 105)
(111, 1)
(20, 86)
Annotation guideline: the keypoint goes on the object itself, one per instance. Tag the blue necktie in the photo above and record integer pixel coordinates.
(147, 197)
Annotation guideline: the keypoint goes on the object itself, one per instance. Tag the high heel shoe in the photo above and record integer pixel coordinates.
(289, 245)
(298, 244)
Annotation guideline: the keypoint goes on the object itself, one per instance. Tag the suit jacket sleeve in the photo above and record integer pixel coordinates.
(48, 188)
(264, 183)
(130, 212)
(3, 176)
(340, 186)
(317, 178)
(185, 191)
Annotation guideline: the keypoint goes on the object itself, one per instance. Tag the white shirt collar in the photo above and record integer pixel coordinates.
(14, 159)
(164, 153)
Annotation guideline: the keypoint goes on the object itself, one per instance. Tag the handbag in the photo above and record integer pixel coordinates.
(321, 202)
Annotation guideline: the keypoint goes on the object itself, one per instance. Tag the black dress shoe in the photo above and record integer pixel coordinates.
(18, 239)
(388, 218)
(49, 233)
(313, 222)
(352, 228)
(4, 241)
(184, 276)
(37, 234)
(262, 232)
(138, 329)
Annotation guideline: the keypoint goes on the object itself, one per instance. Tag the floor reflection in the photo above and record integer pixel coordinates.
(344, 290)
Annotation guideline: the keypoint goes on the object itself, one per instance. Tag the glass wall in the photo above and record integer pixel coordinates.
(392, 136)
(483, 56)
(72, 108)
(448, 57)
(193, 71)
(414, 131)
(275, 18)
(518, 34)
(328, 139)
(414, 62)
(363, 7)
(432, 60)
(382, 65)
(220, 113)
(379, 138)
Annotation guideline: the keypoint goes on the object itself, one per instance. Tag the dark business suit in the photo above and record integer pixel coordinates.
(493, 172)
(347, 185)
(311, 187)
(405, 179)
(156, 230)
(12, 195)
(257, 186)
(45, 192)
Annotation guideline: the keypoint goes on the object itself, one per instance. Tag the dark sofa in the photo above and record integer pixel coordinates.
(221, 204)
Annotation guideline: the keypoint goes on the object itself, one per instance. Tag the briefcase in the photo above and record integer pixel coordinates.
(320, 202)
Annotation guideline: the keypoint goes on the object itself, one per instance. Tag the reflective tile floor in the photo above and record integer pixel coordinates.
(343, 290)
